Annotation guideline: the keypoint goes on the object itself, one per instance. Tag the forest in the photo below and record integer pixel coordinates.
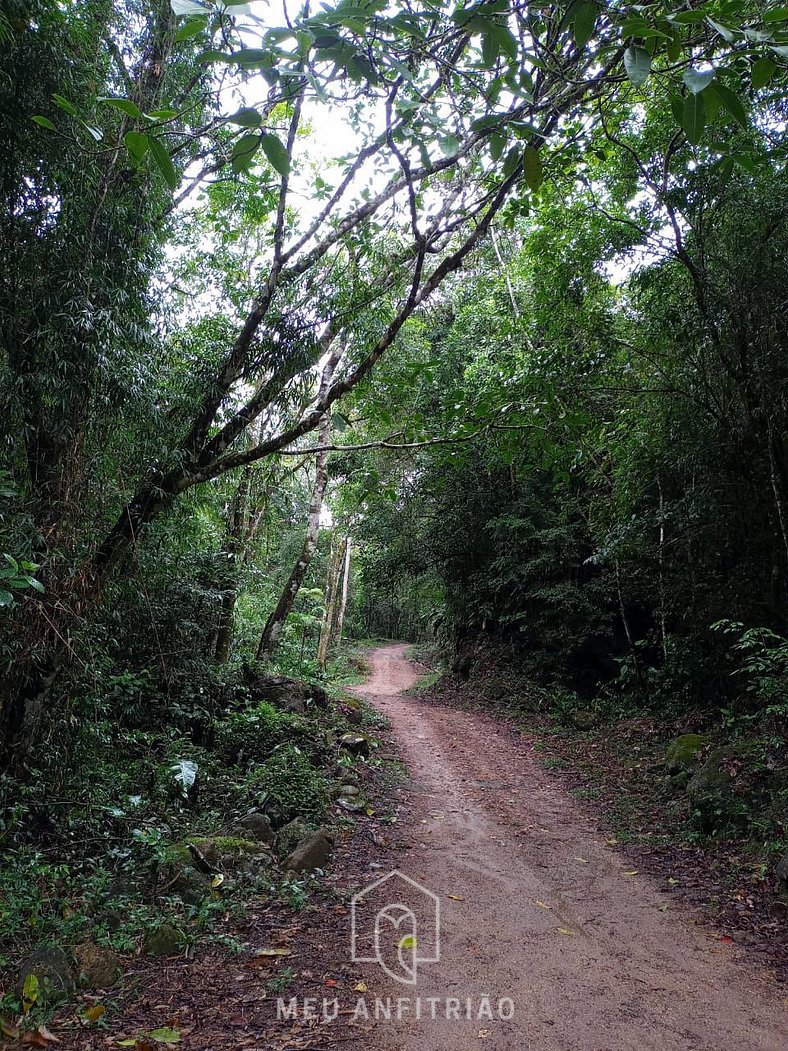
(462, 323)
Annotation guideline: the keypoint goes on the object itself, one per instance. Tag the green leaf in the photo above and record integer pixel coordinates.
(780, 49)
(762, 72)
(511, 161)
(64, 104)
(247, 117)
(188, 7)
(497, 146)
(131, 109)
(6, 598)
(276, 152)
(697, 80)
(723, 31)
(505, 39)
(192, 28)
(36, 585)
(161, 155)
(693, 118)
(244, 151)
(777, 14)
(43, 122)
(137, 144)
(449, 145)
(584, 23)
(161, 114)
(164, 1036)
(532, 168)
(637, 63)
(731, 102)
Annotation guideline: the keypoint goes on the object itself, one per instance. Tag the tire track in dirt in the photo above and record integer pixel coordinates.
(550, 914)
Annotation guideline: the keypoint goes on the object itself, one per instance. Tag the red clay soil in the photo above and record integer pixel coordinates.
(537, 907)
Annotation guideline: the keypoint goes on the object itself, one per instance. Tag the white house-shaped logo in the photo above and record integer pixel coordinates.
(395, 922)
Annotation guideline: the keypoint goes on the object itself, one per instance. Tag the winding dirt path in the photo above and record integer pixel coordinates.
(550, 915)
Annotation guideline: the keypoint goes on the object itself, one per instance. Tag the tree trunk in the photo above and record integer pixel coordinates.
(275, 625)
(343, 603)
(332, 590)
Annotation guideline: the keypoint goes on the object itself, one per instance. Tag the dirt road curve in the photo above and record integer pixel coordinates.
(551, 915)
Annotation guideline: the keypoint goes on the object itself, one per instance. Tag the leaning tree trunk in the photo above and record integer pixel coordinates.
(275, 625)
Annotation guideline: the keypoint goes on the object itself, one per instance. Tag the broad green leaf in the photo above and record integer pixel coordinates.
(505, 39)
(532, 168)
(511, 161)
(693, 118)
(161, 114)
(762, 72)
(164, 1035)
(137, 144)
(191, 29)
(64, 104)
(161, 155)
(6, 598)
(697, 80)
(188, 7)
(637, 63)
(731, 101)
(449, 145)
(724, 31)
(584, 23)
(244, 151)
(246, 118)
(43, 122)
(131, 109)
(777, 14)
(687, 18)
(276, 152)
(780, 49)
(497, 146)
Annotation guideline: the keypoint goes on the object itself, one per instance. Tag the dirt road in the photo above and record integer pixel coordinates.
(549, 914)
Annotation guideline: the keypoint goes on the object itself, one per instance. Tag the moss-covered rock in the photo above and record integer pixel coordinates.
(164, 941)
(717, 801)
(683, 754)
(97, 966)
(293, 833)
(584, 718)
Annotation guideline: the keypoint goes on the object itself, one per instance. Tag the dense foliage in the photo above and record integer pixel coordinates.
(443, 320)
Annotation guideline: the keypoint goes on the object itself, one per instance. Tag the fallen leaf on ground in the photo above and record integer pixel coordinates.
(632, 872)
(164, 1036)
(273, 952)
(92, 1014)
(583, 861)
(564, 930)
(360, 987)
(542, 905)
(456, 897)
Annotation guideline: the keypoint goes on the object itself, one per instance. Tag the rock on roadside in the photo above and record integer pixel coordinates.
(97, 966)
(311, 853)
(52, 969)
